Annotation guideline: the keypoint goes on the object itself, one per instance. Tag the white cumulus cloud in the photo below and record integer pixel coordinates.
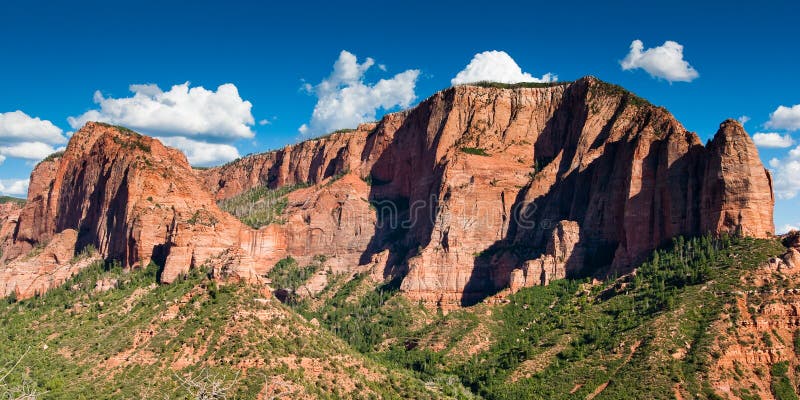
(23, 136)
(345, 100)
(14, 187)
(665, 61)
(28, 150)
(743, 119)
(496, 66)
(202, 123)
(16, 126)
(786, 174)
(783, 117)
(181, 111)
(773, 140)
(202, 153)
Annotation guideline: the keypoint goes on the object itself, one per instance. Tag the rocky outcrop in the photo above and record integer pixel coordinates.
(44, 267)
(737, 190)
(335, 220)
(561, 258)
(791, 259)
(462, 195)
(791, 239)
(9, 215)
(38, 208)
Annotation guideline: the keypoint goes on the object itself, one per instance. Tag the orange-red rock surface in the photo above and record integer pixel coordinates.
(132, 199)
(482, 176)
(9, 214)
(737, 189)
(474, 190)
(758, 328)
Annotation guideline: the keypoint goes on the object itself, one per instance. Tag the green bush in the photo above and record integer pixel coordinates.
(474, 150)
(782, 387)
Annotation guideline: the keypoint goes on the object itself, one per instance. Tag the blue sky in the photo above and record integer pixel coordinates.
(55, 55)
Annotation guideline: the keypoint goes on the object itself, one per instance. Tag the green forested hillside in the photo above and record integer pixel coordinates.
(140, 340)
(572, 339)
(652, 334)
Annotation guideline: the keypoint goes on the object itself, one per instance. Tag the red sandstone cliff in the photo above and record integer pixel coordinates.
(9, 215)
(737, 189)
(481, 176)
(457, 194)
(307, 162)
(133, 200)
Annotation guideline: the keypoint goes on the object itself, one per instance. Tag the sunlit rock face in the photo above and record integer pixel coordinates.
(474, 190)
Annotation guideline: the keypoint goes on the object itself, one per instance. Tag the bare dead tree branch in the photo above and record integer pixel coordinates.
(26, 390)
(206, 386)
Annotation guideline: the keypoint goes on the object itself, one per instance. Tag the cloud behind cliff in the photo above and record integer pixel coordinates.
(14, 187)
(200, 122)
(786, 174)
(345, 99)
(26, 137)
(772, 140)
(180, 111)
(496, 66)
(202, 153)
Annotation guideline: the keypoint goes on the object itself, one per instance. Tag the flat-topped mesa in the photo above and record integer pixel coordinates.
(478, 188)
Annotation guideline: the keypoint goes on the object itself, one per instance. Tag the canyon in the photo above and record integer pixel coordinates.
(478, 189)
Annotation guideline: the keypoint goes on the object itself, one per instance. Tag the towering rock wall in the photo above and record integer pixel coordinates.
(478, 178)
(737, 189)
(474, 190)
